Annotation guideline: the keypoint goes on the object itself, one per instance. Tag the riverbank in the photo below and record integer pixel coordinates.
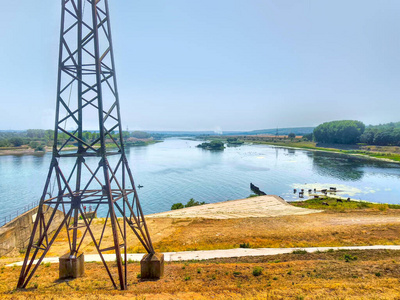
(361, 152)
(26, 150)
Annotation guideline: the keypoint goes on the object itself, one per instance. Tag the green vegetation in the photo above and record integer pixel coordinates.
(300, 251)
(244, 245)
(339, 132)
(382, 135)
(213, 145)
(190, 203)
(352, 132)
(389, 153)
(333, 205)
(177, 206)
(257, 271)
(39, 139)
(234, 141)
(349, 257)
(252, 195)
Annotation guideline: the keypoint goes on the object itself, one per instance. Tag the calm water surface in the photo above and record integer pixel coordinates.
(175, 171)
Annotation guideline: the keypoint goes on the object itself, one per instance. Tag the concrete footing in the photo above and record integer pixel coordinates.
(152, 266)
(71, 266)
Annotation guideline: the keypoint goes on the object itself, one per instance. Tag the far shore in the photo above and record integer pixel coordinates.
(24, 150)
(362, 152)
(333, 150)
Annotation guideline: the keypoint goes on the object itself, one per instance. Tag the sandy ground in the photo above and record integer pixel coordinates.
(263, 206)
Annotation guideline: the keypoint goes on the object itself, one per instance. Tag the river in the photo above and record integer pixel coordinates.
(175, 171)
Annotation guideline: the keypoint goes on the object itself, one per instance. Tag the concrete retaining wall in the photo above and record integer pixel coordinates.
(14, 236)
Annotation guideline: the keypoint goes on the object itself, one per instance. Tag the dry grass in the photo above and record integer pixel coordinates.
(324, 229)
(373, 275)
(331, 228)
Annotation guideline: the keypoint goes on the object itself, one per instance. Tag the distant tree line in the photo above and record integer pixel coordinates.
(353, 132)
(39, 138)
(382, 135)
(339, 132)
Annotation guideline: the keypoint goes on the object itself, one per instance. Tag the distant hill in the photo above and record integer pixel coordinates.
(281, 131)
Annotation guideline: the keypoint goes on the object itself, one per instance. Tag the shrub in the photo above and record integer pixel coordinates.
(40, 148)
(244, 245)
(186, 278)
(257, 271)
(236, 273)
(193, 202)
(378, 274)
(299, 251)
(349, 257)
(252, 195)
(177, 206)
(383, 207)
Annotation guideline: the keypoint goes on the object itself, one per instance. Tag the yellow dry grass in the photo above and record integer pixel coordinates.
(317, 230)
(333, 228)
(374, 274)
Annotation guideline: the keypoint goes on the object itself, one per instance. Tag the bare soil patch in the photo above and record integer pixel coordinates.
(254, 207)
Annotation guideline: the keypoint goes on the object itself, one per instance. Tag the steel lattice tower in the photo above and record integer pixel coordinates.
(87, 98)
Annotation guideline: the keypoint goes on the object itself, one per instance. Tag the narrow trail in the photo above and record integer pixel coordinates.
(225, 253)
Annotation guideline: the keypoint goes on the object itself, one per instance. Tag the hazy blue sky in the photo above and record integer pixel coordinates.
(220, 64)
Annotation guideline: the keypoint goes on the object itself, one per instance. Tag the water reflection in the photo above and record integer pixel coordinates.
(340, 167)
(291, 151)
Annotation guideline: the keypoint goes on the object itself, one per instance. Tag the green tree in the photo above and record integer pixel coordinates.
(16, 141)
(383, 138)
(339, 132)
(4, 143)
(140, 135)
(308, 137)
(177, 206)
(193, 202)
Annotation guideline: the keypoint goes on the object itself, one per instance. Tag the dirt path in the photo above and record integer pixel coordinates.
(212, 254)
